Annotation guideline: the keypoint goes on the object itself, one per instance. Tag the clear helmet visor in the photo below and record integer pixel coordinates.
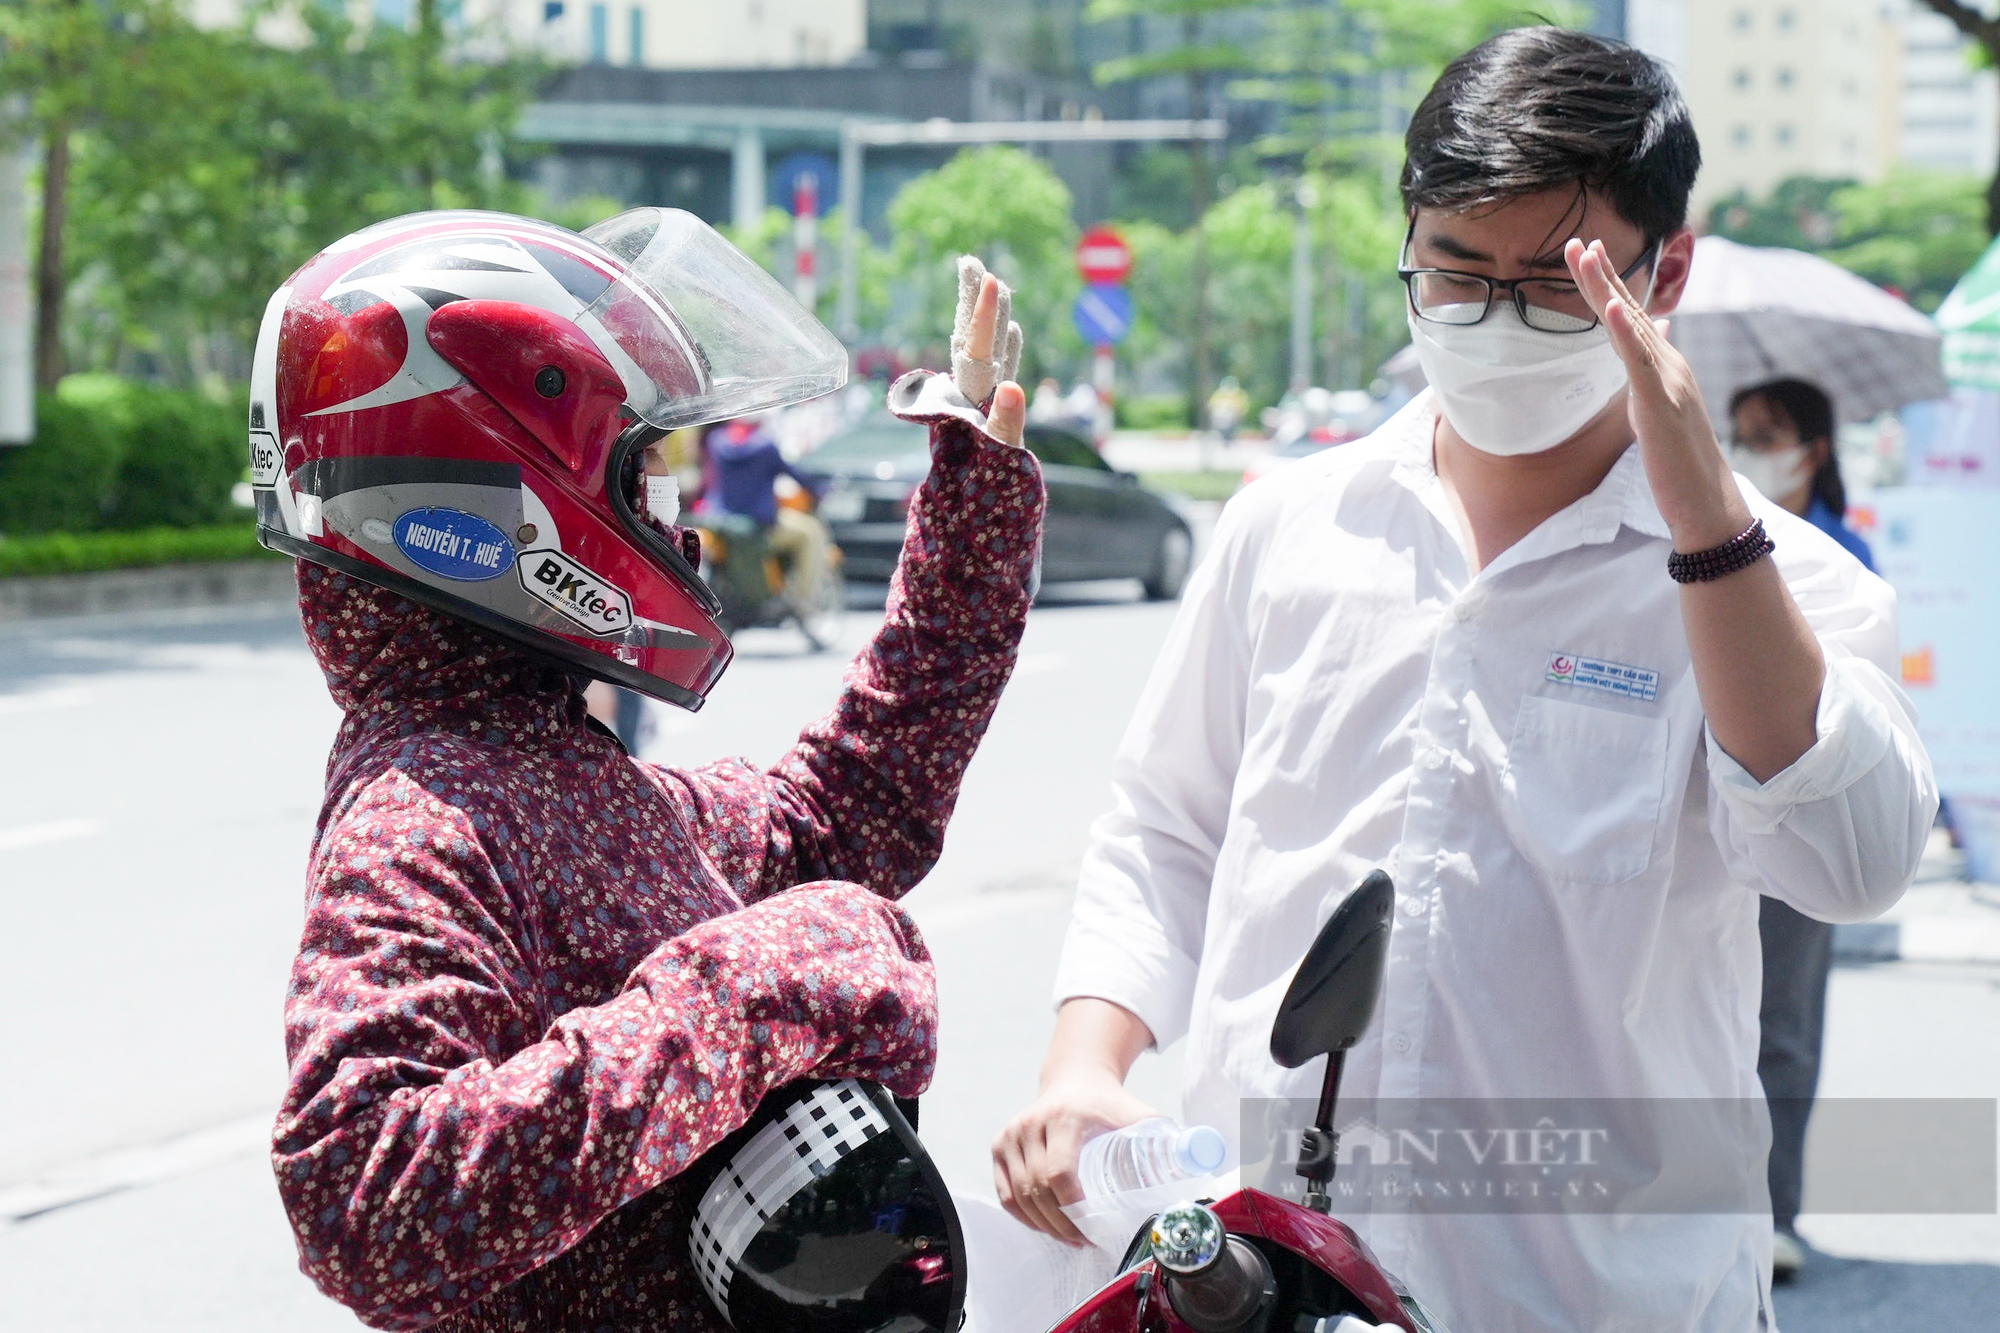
(709, 333)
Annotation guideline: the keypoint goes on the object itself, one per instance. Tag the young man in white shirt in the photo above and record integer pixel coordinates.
(1526, 648)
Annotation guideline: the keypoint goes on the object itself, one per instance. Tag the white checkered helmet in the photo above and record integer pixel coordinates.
(824, 1214)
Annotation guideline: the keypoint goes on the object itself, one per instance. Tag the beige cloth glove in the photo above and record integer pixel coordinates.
(977, 379)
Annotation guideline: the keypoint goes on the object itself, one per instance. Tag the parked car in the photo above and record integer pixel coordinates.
(1102, 524)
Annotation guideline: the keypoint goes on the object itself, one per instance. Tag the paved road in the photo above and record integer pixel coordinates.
(160, 788)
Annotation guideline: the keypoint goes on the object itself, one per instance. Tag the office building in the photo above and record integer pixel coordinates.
(1781, 88)
(1950, 106)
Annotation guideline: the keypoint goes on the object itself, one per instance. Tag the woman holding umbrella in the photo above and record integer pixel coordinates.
(1782, 444)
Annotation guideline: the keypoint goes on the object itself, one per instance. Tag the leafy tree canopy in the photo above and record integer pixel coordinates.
(1006, 206)
(208, 164)
(1916, 231)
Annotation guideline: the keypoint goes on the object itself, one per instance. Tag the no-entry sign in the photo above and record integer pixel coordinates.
(1102, 257)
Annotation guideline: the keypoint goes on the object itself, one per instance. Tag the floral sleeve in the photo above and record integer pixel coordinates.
(866, 793)
(446, 1131)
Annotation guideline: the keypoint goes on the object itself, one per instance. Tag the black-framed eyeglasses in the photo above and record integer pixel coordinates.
(1551, 305)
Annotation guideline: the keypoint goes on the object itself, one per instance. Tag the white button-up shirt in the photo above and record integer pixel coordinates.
(1576, 861)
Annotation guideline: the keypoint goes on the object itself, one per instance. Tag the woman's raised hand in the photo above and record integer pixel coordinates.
(986, 350)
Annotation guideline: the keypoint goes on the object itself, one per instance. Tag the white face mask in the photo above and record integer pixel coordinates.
(1508, 389)
(1777, 473)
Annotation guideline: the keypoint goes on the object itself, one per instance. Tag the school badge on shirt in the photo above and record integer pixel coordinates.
(1594, 673)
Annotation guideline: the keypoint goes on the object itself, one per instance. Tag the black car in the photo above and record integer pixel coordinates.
(1102, 524)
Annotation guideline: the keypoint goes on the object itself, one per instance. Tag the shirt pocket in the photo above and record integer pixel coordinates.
(1584, 789)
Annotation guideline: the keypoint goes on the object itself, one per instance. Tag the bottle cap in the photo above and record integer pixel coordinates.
(1199, 1149)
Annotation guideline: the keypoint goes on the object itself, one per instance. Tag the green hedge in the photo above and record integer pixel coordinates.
(83, 552)
(1213, 485)
(1156, 411)
(111, 453)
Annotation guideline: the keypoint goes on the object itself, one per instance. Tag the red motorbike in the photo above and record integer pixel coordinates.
(1254, 1262)
(824, 1214)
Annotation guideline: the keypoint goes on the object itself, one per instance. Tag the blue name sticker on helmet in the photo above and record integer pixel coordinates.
(454, 544)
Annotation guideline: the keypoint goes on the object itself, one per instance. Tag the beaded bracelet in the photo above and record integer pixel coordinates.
(1739, 552)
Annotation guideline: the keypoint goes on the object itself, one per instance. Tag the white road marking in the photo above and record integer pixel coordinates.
(1035, 664)
(129, 1168)
(34, 835)
(38, 700)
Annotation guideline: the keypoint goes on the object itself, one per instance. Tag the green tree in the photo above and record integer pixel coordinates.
(1798, 214)
(1348, 72)
(1914, 230)
(1200, 56)
(184, 221)
(769, 242)
(1011, 209)
(1248, 237)
(70, 68)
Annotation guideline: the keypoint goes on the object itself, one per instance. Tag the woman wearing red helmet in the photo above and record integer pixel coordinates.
(538, 979)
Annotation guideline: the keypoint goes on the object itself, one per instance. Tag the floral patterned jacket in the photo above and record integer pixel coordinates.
(538, 979)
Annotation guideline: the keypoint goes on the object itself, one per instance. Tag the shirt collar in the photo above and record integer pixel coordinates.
(1623, 499)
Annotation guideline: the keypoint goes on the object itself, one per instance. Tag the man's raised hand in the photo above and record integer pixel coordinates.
(1689, 477)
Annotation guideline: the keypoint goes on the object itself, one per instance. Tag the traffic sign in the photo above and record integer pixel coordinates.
(1103, 257)
(1103, 314)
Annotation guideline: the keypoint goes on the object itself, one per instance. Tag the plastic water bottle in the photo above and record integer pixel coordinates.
(1152, 1152)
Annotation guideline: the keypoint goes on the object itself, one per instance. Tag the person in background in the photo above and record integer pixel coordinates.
(1048, 407)
(1226, 408)
(744, 466)
(1783, 445)
(1089, 413)
(621, 710)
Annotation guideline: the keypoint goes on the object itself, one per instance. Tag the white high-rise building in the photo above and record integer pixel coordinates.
(683, 34)
(1951, 110)
(649, 34)
(1781, 88)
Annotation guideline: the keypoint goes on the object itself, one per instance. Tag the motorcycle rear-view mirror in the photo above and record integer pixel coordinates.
(1327, 1007)
(1332, 996)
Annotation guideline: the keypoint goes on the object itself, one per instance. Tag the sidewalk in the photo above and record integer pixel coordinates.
(1181, 451)
(1944, 918)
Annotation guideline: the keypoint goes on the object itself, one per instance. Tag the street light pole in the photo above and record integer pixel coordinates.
(847, 313)
(1302, 296)
(17, 363)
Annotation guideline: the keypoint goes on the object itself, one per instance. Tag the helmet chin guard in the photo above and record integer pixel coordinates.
(824, 1214)
(455, 406)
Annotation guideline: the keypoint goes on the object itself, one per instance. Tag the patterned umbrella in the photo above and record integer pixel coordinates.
(1752, 314)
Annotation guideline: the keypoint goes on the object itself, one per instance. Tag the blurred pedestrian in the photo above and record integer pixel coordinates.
(1047, 407)
(1783, 442)
(622, 711)
(746, 464)
(1227, 407)
(1783, 436)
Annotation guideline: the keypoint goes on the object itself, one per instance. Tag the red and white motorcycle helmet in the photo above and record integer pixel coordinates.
(456, 405)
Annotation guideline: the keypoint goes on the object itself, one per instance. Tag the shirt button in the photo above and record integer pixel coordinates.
(1434, 760)
(1414, 906)
(1398, 1042)
(1465, 610)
